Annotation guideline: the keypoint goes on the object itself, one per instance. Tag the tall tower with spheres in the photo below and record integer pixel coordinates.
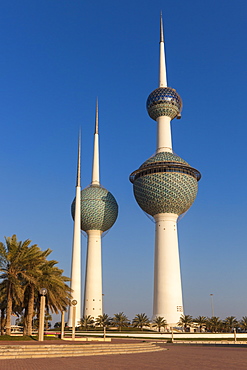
(98, 213)
(165, 186)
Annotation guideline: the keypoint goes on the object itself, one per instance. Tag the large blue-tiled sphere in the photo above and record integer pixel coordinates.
(165, 183)
(164, 101)
(99, 209)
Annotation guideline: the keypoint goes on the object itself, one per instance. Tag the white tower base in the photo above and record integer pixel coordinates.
(168, 301)
(93, 283)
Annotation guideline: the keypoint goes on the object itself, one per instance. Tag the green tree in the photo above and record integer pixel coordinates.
(58, 291)
(87, 322)
(24, 270)
(243, 323)
(103, 320)
(57, 325)
(15, 258)
(31, 286)
(20, 321)
(201, 321)
(214, 324)
(120, 320)
(185, 321)
(230, 323)
(47, 320)
(140, 320)
(159, 322)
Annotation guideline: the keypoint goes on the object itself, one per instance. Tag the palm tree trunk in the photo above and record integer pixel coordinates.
(8, 311)
(25, 322)
(2, 321)
(30, 308)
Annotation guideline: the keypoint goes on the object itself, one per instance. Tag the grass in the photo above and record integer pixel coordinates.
(15, 338)
(25, 338)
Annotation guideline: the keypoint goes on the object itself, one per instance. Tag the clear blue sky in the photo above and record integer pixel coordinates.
(56, 58)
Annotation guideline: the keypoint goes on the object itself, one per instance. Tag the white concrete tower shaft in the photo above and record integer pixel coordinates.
(93, 305)
(75, 283)
(168, 301)
(164, 138)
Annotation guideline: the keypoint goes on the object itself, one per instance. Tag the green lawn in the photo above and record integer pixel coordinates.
(25, 338)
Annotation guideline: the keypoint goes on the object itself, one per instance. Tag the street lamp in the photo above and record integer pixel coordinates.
(73, 303)
(212, 304)
(62, 324)
(43, 292)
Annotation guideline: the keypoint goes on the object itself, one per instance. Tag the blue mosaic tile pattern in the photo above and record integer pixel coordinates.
(164, 101)
(99, 209)
(165, 192)
(164, 157)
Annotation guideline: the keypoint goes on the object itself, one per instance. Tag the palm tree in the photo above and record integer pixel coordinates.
(87, 322)
(120, 320)
(32, 285)
(47, 318)
(24, 271)
(230, 323)
(15, 259)
(214, 324)
(185, 321)
(243, 323)
(140, 320)
(103, 320)
(159, 322)
(57, 325)
(201, 321)
(58, 292)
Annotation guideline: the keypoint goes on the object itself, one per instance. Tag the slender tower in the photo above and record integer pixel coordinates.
(99, 212)
(165, 186)
(75, 283)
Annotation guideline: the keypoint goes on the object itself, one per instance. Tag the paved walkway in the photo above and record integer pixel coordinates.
(178, 357)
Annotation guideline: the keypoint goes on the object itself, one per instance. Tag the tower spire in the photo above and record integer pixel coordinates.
(162, 68)
(95, 170)
(78, 180)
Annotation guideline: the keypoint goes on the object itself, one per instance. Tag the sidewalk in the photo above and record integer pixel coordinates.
(178, 357)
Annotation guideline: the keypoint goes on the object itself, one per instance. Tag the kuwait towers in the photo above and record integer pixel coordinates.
(165, 186)
(98, 213)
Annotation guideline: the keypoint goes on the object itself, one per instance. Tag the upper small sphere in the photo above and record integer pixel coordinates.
(164, 101)
(99, 209)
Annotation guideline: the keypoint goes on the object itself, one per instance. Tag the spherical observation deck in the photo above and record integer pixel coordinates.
(99, 209)
(164, 101)
(165, 183)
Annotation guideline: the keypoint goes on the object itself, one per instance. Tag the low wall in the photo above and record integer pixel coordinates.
(176, 336)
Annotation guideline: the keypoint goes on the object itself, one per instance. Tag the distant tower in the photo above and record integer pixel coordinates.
(75, 283)
(165, 186)
(99, 212)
